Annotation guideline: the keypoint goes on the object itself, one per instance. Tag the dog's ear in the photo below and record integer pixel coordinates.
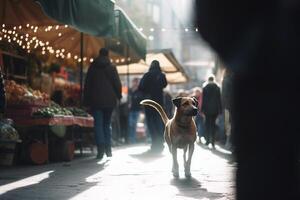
(195, 100)
(177, 101)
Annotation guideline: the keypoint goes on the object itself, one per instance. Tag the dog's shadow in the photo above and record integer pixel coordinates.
(191, 187)
(147, 156)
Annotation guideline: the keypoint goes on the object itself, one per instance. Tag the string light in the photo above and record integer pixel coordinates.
(32, 42)
(151, 37)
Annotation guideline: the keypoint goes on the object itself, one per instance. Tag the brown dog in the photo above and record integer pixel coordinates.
(180, 131)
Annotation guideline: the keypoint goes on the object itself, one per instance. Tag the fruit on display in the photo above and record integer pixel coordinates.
(21, 94)
(52, 111)
(78, 112)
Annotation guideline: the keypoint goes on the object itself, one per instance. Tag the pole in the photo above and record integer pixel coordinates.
(128, 72)
(81, 68)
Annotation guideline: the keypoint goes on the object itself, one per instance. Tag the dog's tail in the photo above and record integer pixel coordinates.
(157, 107)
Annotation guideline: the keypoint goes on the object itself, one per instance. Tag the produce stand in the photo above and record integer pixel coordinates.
(67, 141)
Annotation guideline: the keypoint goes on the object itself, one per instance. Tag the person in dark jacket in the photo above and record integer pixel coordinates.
(152, 85)
(211, 107)
(102, 90)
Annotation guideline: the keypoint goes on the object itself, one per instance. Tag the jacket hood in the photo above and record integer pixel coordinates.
(155, 66)
(101, 62)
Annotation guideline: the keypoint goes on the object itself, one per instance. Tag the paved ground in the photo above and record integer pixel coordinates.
(130, 174)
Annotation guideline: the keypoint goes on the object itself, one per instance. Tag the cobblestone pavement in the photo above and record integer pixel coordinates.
(129, 174)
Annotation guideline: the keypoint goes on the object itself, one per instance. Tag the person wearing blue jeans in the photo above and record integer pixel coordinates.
(102, 91)
(132, 121)
(102, 127)
(135, 98)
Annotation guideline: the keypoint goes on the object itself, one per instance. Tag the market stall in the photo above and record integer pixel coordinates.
(31, 45)
(39, 120)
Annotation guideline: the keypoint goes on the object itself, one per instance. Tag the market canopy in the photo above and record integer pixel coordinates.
(20, 13)
(25, 18)
(94, 17)
(98, 18)
(168, 62)
(133, 40)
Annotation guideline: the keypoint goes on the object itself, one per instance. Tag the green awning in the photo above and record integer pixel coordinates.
(129, 34)
(98, 18)
(95, 17)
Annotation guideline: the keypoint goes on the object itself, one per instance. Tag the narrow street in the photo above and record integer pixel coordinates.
(130, 174)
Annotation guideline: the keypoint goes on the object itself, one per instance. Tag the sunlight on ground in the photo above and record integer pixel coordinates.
(135, 174)
(25, 182)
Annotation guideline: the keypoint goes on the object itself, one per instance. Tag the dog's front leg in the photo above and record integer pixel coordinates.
(187, 167)
(184, 155)
(175, 169)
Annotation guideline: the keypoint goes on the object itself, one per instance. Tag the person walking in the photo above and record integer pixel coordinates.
(211, 107)
(102, 90)
(152, 85)
(134, 109)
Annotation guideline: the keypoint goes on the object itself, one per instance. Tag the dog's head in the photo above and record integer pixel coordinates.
(186, 105)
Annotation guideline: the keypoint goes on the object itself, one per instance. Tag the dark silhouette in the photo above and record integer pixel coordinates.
(211, 107)
(259, 41)
(102, 90)
(152, 85)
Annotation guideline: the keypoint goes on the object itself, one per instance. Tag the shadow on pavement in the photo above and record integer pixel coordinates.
(219, 151)
(51, 181)
(147, 156)
(191, 187)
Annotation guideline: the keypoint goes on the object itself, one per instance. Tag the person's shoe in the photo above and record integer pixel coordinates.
(100, 152)
(108, 150)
